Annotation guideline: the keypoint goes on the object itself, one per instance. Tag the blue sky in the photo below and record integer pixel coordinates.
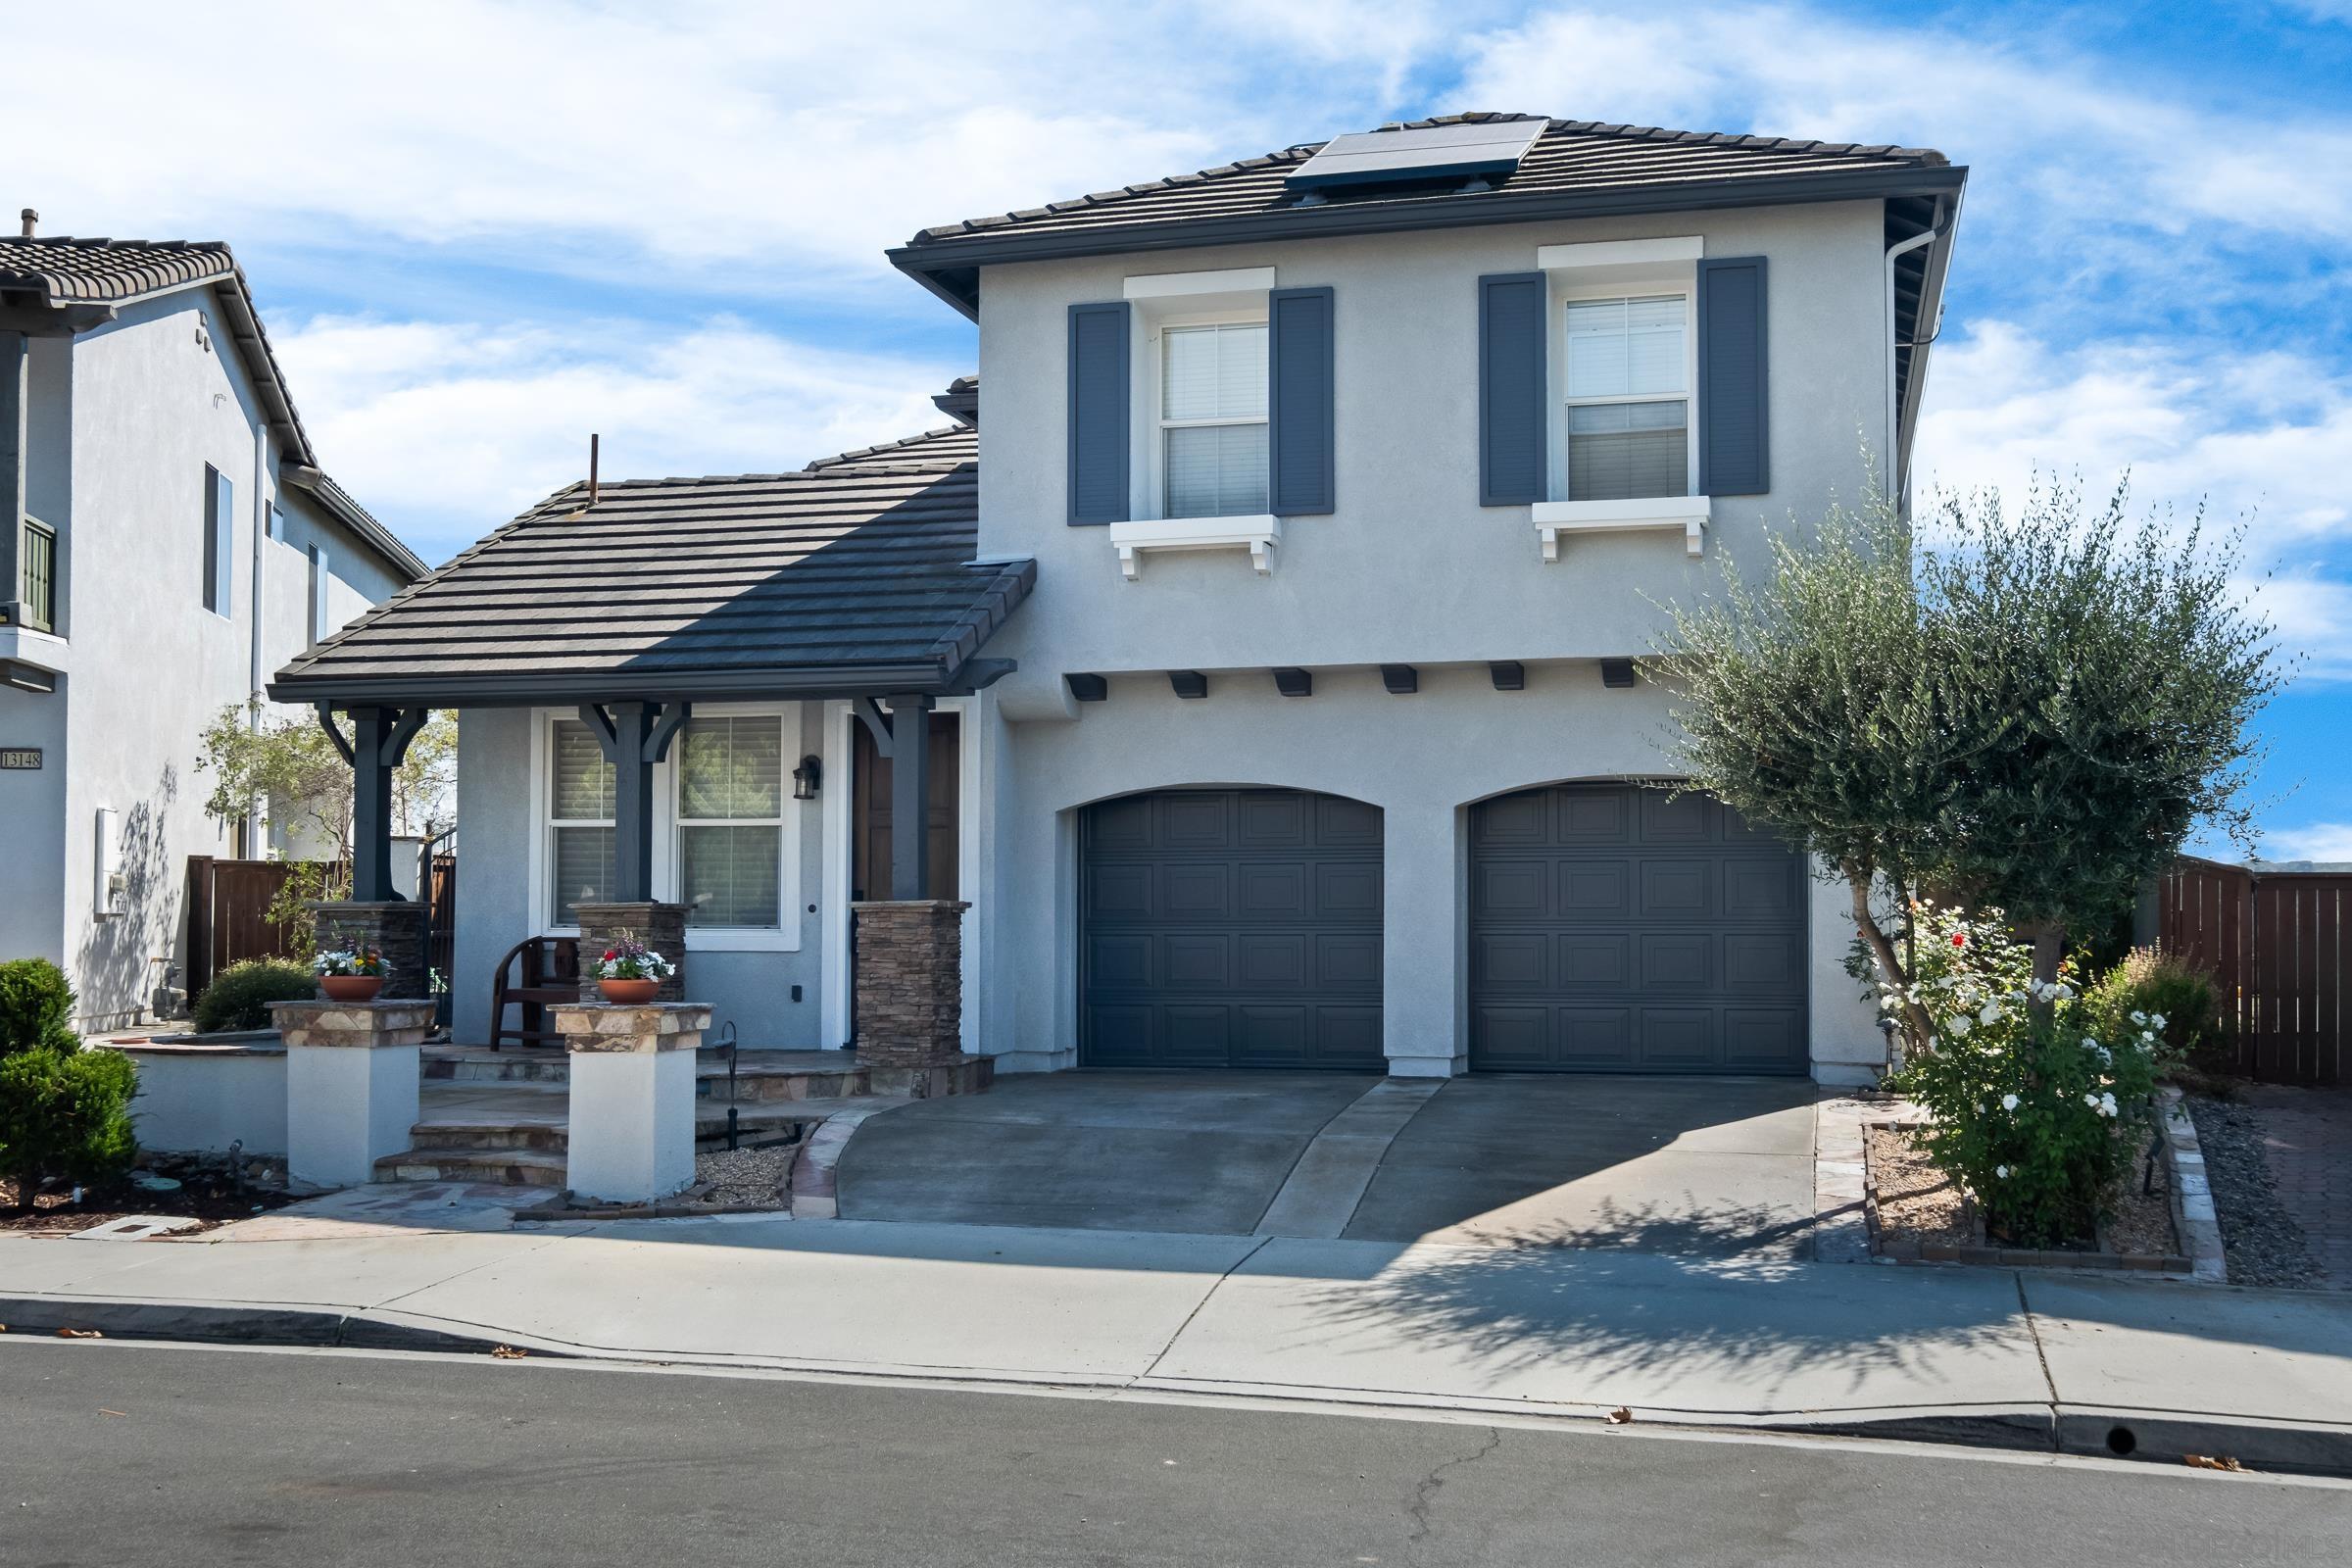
(493, 227)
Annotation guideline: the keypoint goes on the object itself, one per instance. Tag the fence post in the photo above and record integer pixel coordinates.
(200, 925)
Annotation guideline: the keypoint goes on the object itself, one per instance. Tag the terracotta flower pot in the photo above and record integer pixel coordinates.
(629, 992)
(350, 986)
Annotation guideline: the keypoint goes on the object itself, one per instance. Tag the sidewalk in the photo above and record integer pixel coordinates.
(1973, 1354)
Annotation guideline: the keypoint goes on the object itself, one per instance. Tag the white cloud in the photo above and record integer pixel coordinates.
(447, 430)
(2320, 841)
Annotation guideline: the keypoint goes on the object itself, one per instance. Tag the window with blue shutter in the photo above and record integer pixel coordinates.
(1512, 419)
(1734, 448)
(220, 538)
(1099, 419)
(1302, 382)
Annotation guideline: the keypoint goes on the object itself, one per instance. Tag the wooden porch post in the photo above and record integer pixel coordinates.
(634, 737)
(911, 797)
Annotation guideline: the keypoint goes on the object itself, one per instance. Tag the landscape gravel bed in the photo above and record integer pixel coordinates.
(2263, 1243)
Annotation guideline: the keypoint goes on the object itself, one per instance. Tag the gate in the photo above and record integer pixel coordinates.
(2279, 944)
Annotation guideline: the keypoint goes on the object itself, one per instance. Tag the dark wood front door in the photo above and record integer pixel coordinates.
(870, 827)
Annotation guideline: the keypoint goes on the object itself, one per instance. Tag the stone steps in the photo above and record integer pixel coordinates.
(510, 1167)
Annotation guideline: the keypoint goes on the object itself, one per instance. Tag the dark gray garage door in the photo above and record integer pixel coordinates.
(1615, 929)
(1230, 928)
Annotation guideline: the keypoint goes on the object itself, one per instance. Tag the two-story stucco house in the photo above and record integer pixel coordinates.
(1277, 607)
(166, 540)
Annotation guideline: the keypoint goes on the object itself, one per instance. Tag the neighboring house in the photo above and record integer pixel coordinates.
(169, 541)
(1278, 622)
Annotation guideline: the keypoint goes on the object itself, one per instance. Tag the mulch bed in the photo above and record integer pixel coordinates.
(207, 1193)
(2261, 1239)
(1920, 1212)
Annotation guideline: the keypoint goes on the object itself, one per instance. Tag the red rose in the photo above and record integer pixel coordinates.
(1959, 939)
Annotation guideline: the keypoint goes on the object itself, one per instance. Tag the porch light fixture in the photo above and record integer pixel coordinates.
(806, 778)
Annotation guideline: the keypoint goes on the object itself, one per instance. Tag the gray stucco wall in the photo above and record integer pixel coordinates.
(1409, 568)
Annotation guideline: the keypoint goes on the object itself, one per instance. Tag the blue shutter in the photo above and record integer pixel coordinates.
(1512, 434)
(1732, 445)
(1300, 462)
(1098, 423)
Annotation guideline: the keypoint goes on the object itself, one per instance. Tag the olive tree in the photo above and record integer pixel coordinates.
(2026, 712)
(285, 767)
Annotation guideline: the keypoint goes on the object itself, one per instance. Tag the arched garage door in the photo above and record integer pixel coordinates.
(1230, 928)
(1616, 929)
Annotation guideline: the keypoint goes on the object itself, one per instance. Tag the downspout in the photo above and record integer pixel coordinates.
(253, 673)
(1895, 477)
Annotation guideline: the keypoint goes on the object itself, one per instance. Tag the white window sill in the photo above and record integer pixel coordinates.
(1688, 513)
(1258, 535)
(42, 649)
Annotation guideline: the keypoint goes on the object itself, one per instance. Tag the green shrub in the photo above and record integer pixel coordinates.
(66, 1115)
(2154, 984)
(240, 995)
(2037, 1111)
(36, 1008)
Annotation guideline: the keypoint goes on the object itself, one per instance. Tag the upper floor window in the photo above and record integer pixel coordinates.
(220, 536)
(320, 621)
(1628, 389)
(1213, 419)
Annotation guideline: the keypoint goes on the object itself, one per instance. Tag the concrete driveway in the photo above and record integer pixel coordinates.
(1709, 1166)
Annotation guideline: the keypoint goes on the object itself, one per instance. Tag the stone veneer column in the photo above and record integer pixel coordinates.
(910, 982)
(395, 928)
(659, 926)
(631, 1134)
(352, 1074)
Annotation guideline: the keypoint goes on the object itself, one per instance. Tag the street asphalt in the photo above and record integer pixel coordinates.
(116, 1453)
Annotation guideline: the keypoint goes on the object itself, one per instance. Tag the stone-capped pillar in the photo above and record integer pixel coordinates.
(394, 927)
(631, 1135)
(910, 982)
(659, 926)
(352, 1072)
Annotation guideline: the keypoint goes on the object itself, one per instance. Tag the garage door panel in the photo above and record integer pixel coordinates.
(1594, 1037)
(1672, 938)
(1595, 890)
(1504, 1037)
(1510, 961)
(1195, 961)
(1507, 888)
(1676, 960)
(1346, 892)
(1764, 1038)
(1596, 960)
(1348, 958)
(1231, 927)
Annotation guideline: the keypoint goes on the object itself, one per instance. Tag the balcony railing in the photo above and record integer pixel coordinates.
(36, 572)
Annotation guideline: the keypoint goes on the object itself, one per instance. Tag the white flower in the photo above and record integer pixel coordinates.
(2147, 1036)
(2157, 1020)
(2008, 1101)
(1990, 1015)
(2002, 1171)
(2092, 1101)
(2089, 1043)
(1959, 1025)
(2139, 1017)
(2066, 993)
(2107, 1107)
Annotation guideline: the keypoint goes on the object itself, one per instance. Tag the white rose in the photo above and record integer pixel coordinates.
(2139, 1017)
(2002, 1171)
(2008, 1101)
(2092, 1101)
(1960, 1025)
(2157, 1020)
(1992, 1014)
(2089, 1043)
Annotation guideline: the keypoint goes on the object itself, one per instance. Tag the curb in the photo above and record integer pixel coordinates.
(2087, 1431)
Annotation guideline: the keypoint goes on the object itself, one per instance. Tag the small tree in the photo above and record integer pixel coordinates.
(2026, 713)
(286, 768)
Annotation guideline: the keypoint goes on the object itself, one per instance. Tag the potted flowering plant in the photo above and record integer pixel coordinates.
(630, 973)
(351, 973)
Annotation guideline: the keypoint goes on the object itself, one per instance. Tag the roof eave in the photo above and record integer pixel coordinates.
(934, 263)
(347, 510)
(1924, 332)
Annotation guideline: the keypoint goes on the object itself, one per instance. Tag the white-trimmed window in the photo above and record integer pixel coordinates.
(1628, 385)
(731, 801)
(579, 821)
(1213, 419)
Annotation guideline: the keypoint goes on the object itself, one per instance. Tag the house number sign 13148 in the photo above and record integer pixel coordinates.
(21, 757)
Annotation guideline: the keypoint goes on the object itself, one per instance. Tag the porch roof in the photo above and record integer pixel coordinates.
(852, 577)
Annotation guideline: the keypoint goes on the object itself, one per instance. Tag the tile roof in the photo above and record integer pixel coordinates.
(1570, 154)
(65, 274)
(850, 574)
(1576, 168)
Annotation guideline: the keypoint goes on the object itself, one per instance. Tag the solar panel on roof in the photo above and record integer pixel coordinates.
(1432, 152)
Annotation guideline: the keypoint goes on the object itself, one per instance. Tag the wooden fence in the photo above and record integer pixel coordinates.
(2279, 943)
(227, 923)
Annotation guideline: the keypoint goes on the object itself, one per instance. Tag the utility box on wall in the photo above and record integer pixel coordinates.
(109, 895)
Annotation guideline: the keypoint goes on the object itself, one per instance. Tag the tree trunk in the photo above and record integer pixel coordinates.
(1914, 1015)
(2050, 950)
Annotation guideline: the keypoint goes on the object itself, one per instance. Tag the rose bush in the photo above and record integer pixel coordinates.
(2039, 1101)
